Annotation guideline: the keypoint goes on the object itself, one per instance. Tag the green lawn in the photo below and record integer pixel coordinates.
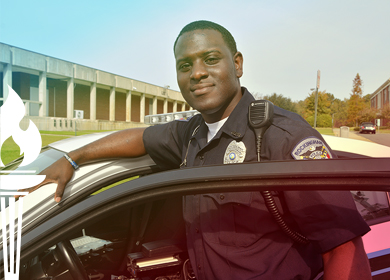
(11, 151)
(325, 130)
(383, 131)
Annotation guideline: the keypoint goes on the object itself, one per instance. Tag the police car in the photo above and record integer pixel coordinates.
(121, 218)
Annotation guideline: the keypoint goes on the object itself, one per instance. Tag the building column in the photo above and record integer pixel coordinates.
(92, 102)
(70, 98)
(174, 106)
(154, 112)
(112, 104)
(7, 79)
(43, 94)
(165, 105)
(142, 108)
(128, 106)
(183, 107)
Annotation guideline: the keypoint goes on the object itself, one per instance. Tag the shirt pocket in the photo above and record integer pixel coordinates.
(235, 217)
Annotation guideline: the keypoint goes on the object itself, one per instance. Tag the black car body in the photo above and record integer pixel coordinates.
(367, 127)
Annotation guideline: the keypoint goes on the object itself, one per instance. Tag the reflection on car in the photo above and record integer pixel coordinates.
(122, 218)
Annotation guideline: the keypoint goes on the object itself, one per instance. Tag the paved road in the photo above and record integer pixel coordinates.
(383, 139)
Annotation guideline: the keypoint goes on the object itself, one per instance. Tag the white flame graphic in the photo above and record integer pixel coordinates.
(29, 141)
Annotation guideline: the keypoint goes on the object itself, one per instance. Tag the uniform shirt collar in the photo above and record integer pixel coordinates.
(214, 128)
(236, 125)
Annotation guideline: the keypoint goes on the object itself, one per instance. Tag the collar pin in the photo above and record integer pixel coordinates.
(235, 134)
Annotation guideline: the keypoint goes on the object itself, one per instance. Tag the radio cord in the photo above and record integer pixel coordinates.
(260, 118)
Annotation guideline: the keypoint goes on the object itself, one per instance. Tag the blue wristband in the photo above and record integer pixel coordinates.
(71, 161)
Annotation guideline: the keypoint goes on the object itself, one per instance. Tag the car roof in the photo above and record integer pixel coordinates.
(357, 147)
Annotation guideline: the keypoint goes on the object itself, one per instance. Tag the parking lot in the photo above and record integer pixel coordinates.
(379, 138)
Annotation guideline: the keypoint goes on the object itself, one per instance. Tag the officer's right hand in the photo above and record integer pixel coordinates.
(60, 172)
(124, 143)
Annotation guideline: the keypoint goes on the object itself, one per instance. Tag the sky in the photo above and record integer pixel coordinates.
(283, 43)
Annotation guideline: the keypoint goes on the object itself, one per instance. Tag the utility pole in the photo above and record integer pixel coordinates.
(316, 98)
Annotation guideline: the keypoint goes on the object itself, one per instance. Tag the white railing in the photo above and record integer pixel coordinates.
(164, 118)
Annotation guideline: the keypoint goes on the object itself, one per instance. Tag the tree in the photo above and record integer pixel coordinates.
(257, 95)
(339, 109)
(282, 102)
(367, 100)
(385, 114)
(356, 102)
(324, 117)
(323, 120)
(367, 115)
(323, 105)
(300, 105)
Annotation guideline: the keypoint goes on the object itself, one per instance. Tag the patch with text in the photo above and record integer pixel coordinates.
(311, 148)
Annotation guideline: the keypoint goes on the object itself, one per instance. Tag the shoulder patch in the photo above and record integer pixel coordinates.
(311, 148)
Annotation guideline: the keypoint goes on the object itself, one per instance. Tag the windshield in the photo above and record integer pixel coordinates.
(45, 158)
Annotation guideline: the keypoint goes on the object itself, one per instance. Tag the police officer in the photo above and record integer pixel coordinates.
(232, 235)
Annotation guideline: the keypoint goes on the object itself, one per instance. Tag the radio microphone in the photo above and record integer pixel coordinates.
(261, 113)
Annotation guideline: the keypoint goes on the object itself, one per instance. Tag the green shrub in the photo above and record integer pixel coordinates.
(322, 120)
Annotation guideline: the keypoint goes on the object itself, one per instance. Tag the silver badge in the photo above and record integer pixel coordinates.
(235, 152)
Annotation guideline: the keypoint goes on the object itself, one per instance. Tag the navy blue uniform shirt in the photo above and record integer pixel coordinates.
(232, 235)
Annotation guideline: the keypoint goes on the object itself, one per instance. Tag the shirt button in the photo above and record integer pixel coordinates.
(221, 196)
(197, 230)
(201, 157)
(199, 267)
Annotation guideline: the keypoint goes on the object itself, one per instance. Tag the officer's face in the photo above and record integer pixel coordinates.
(208, 74)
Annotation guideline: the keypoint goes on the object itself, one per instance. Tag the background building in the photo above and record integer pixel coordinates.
(380, 100)
(52, 89)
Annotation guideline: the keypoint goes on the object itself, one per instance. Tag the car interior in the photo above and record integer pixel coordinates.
(135, 243)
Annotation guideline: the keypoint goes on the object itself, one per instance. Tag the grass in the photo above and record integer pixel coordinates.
(325, 130)
(383, 131)
(11, 151)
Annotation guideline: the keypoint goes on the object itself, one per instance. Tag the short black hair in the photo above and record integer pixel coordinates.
(205, 24)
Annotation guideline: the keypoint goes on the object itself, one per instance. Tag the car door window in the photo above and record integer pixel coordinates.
(102, 244)
(373, 206)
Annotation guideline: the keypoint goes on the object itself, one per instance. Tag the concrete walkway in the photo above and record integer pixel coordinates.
(351, 135)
